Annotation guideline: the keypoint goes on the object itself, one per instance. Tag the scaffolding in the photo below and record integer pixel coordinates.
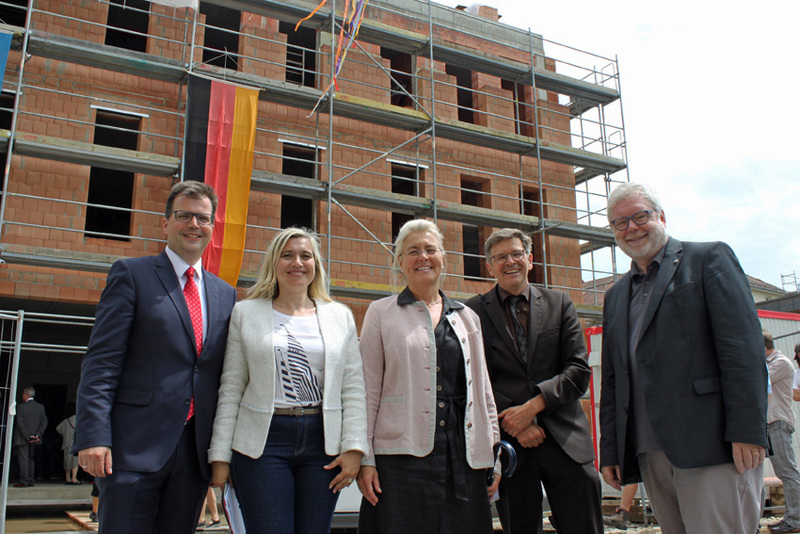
(537, 145)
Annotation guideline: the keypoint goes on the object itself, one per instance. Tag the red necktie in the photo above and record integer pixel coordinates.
(192, 295)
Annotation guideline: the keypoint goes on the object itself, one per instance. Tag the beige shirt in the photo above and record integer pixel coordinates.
(781, 374)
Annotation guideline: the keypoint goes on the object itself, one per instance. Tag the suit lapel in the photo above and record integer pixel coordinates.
(212, 305)
(331, 335)
(327, 328)
(534, 321)
(672, 258)
(166, 273)
(618, 322)
(266, 328)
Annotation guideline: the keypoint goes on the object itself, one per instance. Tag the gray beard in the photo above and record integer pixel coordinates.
(659, 238)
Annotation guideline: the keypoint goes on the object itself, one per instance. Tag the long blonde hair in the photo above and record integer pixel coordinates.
(266, 286)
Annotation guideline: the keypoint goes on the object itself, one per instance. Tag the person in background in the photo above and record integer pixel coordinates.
(211, 504)
(291, 424)
(149, 380)
(66, 429)
(796, 382)
(684, 392)
(95, 502)
(780, 427)
(621, 516)
(29, 425)
(431, 417)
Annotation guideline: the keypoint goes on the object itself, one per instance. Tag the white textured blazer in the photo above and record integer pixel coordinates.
(247, 387)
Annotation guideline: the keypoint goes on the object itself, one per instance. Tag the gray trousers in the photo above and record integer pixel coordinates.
(716, 498)
(25, 458)
(780, 434)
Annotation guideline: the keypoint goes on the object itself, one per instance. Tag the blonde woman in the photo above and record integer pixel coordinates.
(431, 417)
(290, 428)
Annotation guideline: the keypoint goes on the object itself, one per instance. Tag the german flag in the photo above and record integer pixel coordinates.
(220, 139)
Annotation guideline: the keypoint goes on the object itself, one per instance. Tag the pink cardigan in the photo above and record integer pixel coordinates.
(398, 351)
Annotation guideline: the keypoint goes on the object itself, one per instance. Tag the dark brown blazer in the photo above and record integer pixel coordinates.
(557, 365)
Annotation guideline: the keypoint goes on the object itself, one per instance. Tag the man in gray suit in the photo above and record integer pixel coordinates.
(683, 402)
(29, 425)
(538, 366)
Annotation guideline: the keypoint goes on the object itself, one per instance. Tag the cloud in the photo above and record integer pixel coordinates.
(753, 207)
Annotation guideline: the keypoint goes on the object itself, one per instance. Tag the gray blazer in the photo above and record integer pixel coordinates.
(247, 387)
(700, 357)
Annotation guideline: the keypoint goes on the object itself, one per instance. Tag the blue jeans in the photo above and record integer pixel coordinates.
(285, 491)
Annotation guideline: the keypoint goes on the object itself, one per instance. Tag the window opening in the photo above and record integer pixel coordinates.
(127, 19)
(297, 211)
(109, 187)
(301, 60)
(221, 43)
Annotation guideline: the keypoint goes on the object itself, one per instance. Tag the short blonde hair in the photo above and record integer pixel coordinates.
(266, 286)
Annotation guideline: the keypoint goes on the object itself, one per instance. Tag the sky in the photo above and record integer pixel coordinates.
(709, 96)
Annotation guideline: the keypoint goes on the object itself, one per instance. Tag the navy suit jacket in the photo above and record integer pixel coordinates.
(142, 369)
(557, 365)
(700, 358)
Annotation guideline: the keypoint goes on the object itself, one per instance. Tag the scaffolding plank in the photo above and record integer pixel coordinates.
(49, 147)
(285, 184)
(594, 234)
(55, 46)
(424, 207)
(101, 263)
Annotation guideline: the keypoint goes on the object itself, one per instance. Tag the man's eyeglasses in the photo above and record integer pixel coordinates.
(640, 218)
(503, 258)
(203, 219)
(416, 253)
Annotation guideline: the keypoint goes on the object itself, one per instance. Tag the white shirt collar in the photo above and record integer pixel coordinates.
(180, 265)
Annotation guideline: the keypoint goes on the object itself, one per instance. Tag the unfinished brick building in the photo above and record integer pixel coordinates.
(439, 112)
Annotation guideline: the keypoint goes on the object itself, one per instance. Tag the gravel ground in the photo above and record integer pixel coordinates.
(639, 528)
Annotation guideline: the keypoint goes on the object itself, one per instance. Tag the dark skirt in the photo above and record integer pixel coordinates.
(419, 496)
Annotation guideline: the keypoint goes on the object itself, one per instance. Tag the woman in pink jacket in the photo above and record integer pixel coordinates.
(431, 417)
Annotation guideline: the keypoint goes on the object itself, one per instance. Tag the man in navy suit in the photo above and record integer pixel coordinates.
(683, 403)
(147, 396)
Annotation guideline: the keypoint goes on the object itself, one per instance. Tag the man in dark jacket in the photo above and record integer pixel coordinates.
(29, 425)
(684, 394)
(537, 363)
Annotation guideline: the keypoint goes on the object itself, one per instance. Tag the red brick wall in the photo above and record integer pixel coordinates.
(354, 254)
